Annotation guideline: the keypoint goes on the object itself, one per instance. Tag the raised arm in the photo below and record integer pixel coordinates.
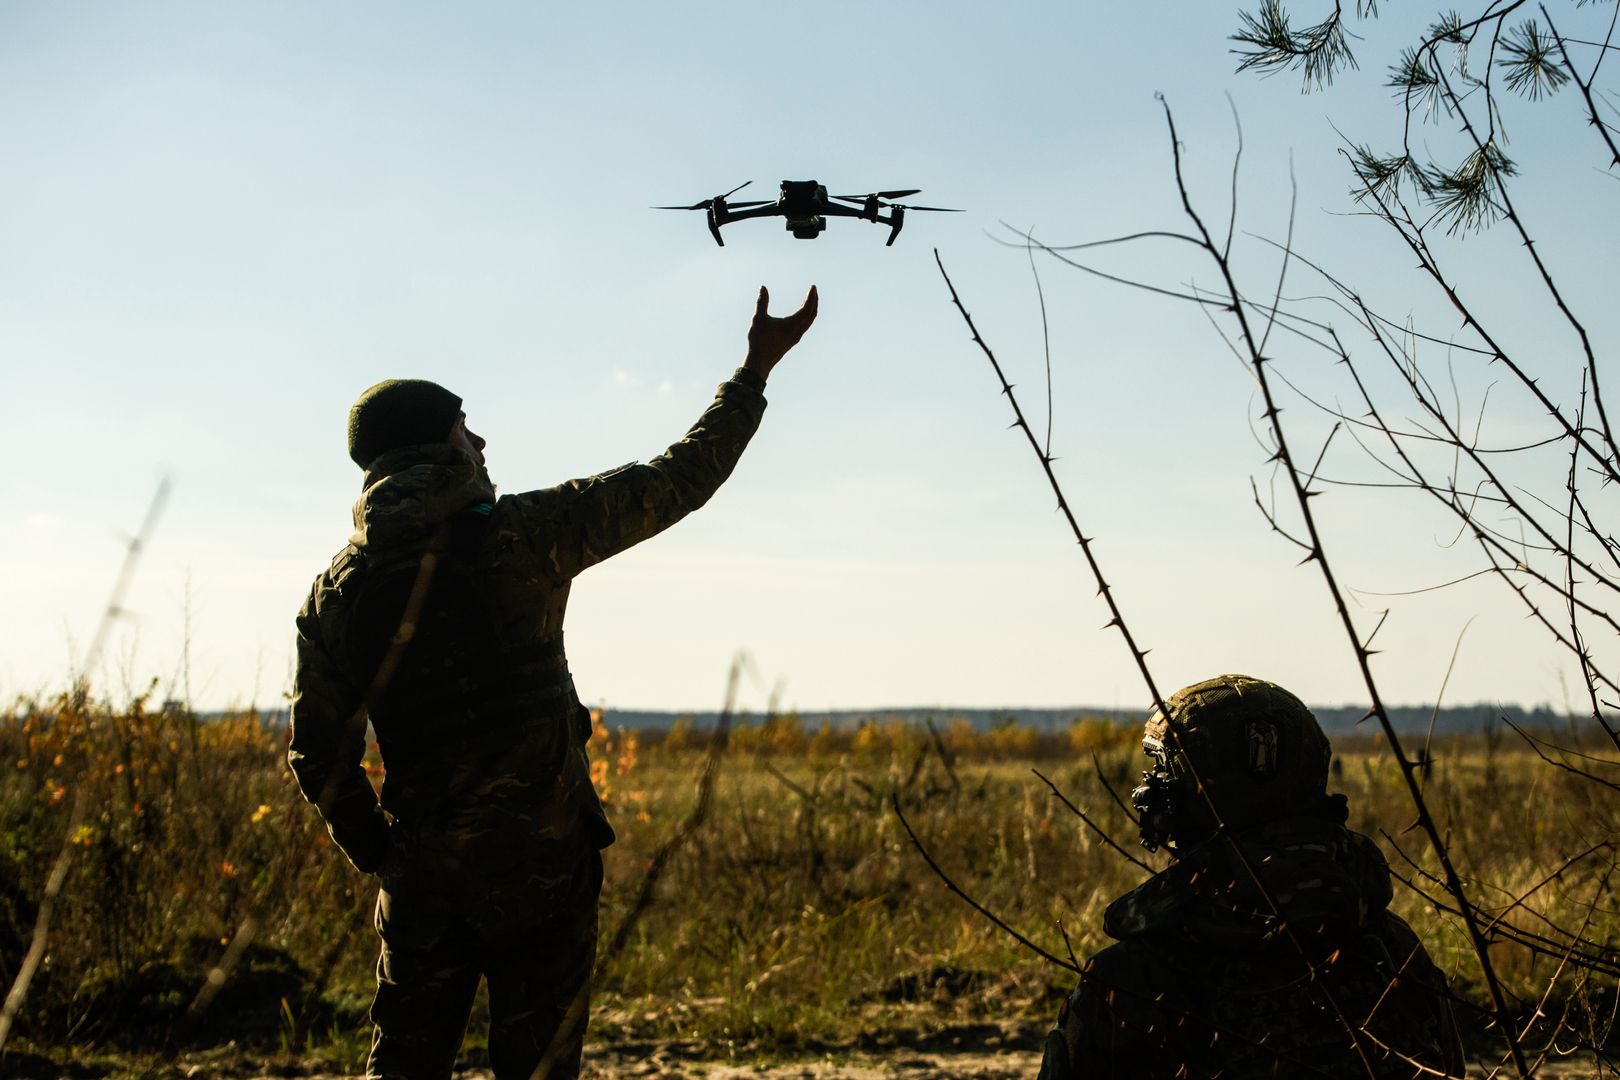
(580, 523)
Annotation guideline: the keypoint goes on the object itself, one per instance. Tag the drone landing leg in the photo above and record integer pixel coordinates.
(897, 219)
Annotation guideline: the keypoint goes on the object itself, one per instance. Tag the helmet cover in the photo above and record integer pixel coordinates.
(1255, 748)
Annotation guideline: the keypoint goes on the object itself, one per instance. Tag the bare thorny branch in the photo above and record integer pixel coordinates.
(1503, 560)
(1302, 480)
(1531, 69)
(1363, 655)
(1358, 1037)
(1536, 63)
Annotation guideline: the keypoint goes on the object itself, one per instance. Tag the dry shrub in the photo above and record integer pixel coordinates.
(190, 829)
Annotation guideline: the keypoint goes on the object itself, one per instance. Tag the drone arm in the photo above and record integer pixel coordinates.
(833, 209)
(767, 210)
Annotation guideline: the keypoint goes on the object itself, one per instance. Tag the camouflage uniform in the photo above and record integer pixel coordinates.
(1206, 981)
(442, 620)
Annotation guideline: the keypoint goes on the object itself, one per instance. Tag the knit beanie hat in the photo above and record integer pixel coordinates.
(399, 412)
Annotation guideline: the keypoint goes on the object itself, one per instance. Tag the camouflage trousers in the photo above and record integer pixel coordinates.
(530, 931)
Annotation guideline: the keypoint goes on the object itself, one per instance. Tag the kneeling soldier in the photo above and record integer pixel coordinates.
(1307, 974)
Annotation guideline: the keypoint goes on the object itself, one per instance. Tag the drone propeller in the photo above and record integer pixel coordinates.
(879, 195)
(940, 209)
(706, 203)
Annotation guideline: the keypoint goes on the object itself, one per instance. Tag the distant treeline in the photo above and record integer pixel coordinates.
(1335, 719)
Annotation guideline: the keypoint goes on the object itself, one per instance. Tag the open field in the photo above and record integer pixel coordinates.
(798, 924)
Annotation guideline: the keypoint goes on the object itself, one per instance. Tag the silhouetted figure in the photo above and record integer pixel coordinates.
(1208, 979)
(443, 620)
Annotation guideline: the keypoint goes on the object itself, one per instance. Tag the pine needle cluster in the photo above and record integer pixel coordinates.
(1434, 81)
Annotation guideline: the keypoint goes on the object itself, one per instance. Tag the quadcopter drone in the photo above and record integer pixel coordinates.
(807, 206)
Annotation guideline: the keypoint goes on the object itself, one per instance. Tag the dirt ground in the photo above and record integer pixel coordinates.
(611, 1064)
(934, 1062)
(977, 1059)
(916, 1065)
(910, 1065)
(975, 1052)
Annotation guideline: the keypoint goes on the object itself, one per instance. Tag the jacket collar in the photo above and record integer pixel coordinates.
(408, 493)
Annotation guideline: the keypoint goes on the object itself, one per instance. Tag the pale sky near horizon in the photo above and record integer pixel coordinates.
(220, 222)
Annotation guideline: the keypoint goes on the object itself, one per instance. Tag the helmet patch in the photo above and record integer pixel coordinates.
(1262, 747)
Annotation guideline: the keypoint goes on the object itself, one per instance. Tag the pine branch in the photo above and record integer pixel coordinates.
(1318, 51)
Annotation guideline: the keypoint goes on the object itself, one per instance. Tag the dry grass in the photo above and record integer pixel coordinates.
(799, 915)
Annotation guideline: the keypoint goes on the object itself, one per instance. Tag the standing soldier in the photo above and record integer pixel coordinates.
(1208, 978)
(442, 621)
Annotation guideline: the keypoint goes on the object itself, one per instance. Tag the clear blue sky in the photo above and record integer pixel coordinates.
(220, 222)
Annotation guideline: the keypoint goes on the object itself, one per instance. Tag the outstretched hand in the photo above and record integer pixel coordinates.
(769, 339)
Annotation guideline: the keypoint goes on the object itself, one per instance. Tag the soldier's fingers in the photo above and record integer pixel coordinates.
(800, 320)
(763, 303)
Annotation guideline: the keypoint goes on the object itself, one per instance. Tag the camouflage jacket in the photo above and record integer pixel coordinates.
(1206, 982)
(442, 619)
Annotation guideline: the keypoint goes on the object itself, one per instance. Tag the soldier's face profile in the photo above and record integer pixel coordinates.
(466, 439)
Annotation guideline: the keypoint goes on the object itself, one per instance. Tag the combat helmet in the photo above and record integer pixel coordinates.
(1257, 750)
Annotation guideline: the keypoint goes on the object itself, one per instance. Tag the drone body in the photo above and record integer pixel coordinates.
(805, 206)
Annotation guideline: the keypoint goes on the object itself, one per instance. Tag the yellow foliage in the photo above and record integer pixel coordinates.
(1089, 733)
(682, 735)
